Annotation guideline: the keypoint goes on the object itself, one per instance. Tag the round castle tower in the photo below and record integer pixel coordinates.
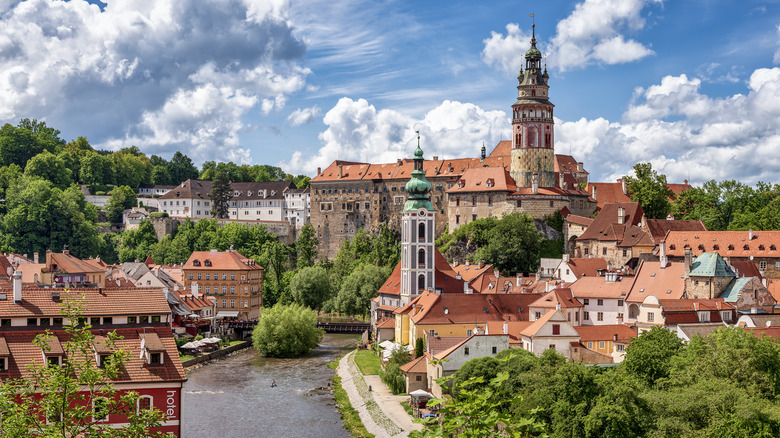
(533, 153)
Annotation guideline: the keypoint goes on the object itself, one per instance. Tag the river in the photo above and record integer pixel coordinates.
(232, 397)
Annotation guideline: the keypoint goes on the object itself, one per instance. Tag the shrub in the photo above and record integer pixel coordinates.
(158, 214)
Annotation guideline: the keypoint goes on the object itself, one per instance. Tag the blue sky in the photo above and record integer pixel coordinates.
(693, 87)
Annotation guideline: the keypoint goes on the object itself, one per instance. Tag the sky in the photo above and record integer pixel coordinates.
(692, 87)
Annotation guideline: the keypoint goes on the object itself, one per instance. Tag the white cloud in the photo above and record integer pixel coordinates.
(304, 116)
(162, 75)
(592, 33)
(357, 131)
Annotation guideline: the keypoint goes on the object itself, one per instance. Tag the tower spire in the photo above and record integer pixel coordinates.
(418, 187)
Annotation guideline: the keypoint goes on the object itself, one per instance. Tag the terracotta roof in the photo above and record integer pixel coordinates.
(562, 296)
(537, 325)
(635, 236)
(566, 163)
(659, 227)
(772, 332)
(599, 287)
(432, 308)
(685, 311)
(502, 149)
(386, 323)
(484, 179)
(725, 243)
(386, 308)
(579, 220)
(774, 288)
(591, 333)
(418, 365)
(586, 267)
(702, 329)
(663, 283)
(605, 226)
(513, 328)
(220, 261)
(37, 302)
(152, 342)
(392, 286)
(61, 262)
(607, 193)
(470, 272)
(437, 344)
(24, 353)
(195, 304)
(746, 268)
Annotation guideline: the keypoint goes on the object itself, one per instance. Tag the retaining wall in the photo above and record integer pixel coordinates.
(216, 354)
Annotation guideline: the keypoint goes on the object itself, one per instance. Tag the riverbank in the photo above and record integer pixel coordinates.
(379, 410)
(207, 357)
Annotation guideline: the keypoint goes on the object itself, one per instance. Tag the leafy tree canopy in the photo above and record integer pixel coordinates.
(650, 190)
(286, 331)
(311, 287)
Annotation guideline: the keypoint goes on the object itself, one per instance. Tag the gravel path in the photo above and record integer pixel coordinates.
(375, 413)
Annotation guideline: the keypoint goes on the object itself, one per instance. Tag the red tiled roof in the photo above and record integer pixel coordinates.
(38, 302)
(392, 286)
(24, 353)
(635, 236)
(470, 272)
(537, 325)
(484, 179)
(449, 351)
(725, 243)
(502, 149)
(685, 311)
(560, 296)
(652, 280)
(437, 344)
(599, 287)
(386, 323)
(607, 193)
(586, 267)
(469, 308)
(513, 328)
(659, 227)
(418, 365)
(605, 226)
(195, 304)
(579, 220)
(444, 276)
(221, 261)
(566, 163)
(746, 268)
(594, 333)
(61, 262)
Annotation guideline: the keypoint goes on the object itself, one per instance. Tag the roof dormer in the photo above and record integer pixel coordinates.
(52, 351)
(152, 349)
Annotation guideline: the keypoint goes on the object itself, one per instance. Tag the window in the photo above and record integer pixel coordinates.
(419, 378)
(190, 275)
(600, 316)
(590, 344)
(224, 289)
(537, 315)
(556, 329)
(224, 304)
(604, 251)
(3, 364)
(104, 359)
(232, 304)
(494, 350)
(473, 217)
(32, 321)
(586, 316)
(156, 318)
(469, 332)
(600, 302)
(45, 321)
(457, 218)
(208, 276)
(586, 301)
(650, 316)
(620, 303)
(620, 347)
(725, 315)
(466, 351)
(224, 276)
(198, 275)
(132, 319)
(704, 316)
(208, 289)
(232, 276)
(232, 289)
(155, 358)
(100, 409)
(143, 319)
(551, 346)
(243, 277)
(762, 266)
(601, 345)
(94, 320)
(585, 251)
(432, 332)
(625, 253)
(106, 320)
(53, 416)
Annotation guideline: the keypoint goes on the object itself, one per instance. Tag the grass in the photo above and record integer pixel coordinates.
(368, 363)
(407, 408)
(186, 357)
(349, 416)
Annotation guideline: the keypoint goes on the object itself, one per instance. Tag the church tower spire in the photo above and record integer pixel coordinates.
(533, 152)
(417, 234)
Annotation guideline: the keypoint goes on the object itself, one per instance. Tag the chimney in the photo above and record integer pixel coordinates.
(750, 234)
(319, 170)
(662, 254)
(688, 260)
(565, 258)
(580, 167)
(561, 182)
(400, 161)
(594, 193)
(763, 281)
(620, 319)
(48, 258)
(557, 306)
(466, 289)
(621, 219)
(535, 183)
(435, 158)
(538, 276)
(35, 257)
(341, 170)
(519, 279)
(194, 289)
(623, 184)
(481, 264)
(506, 328)
(17, 287)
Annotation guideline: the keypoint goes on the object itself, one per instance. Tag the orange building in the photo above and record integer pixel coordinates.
(235, 281)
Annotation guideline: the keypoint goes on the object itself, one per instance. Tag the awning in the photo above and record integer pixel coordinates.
(227, 314)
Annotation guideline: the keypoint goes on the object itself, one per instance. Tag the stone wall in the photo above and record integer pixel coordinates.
(216, 354)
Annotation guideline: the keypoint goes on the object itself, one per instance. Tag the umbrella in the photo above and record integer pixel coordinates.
(421, 393)
(189, 345)
(386, 344)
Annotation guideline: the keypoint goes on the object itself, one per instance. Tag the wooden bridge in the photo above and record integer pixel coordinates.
(329, 327)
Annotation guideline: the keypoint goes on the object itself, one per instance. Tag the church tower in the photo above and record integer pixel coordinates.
(417, 234)
(533, 153)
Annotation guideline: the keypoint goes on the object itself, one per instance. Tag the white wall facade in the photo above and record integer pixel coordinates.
(608, 308)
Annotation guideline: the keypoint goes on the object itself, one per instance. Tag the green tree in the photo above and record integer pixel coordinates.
(357, 290)
(698, 204)
(122, 198)
(46, 136)
(137, 244)
(650, 190)
(220, 195)
(311, 287)
(50, 167)
(130, 169)
(306, 247)
(276, 287)
(17, 145)
(286, 331)
(180, 168)
(419, 347)
(57, 401)
(96, 169)
(513, 244)
(648, 356)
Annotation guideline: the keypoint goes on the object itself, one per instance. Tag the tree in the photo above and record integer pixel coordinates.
(311, 287)
(180, 168)
(357, 290)
(698, 204)
(122, 198)
(57, 401)
(513, 244)
(96, 169)
(650, 190)
(17, 145)
(220, 195)
(648, 356)
(419, 347)
(286, 331)
(306, 247)
(50, 167)
(130, 169)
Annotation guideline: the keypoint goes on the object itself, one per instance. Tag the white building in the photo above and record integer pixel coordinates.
(603, 298)
(154, 189)
(297, 206)
(551, 331)
(471, 348)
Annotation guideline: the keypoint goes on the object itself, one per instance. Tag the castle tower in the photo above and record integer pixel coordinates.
(417, 234)
(532, 124)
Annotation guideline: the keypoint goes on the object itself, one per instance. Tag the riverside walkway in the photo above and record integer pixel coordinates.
(380, 411)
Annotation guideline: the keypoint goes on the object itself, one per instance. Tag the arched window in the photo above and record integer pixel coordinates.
(421, 257)
(421, 232)
(421, 283)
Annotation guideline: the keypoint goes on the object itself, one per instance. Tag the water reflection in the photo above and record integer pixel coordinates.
(234, 397)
